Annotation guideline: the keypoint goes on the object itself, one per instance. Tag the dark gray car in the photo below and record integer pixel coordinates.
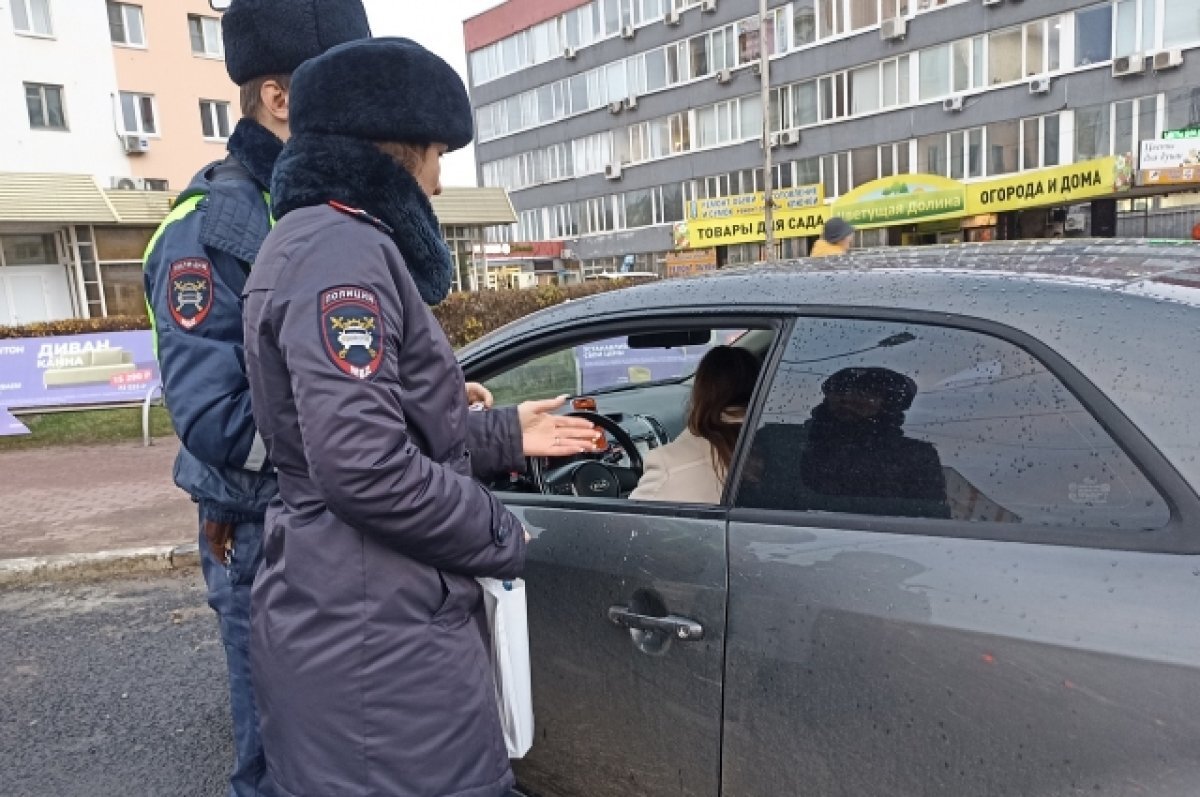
(997, 596)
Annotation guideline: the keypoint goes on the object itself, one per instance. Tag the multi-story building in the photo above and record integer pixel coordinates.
(177, 104)
(58, 90)
(631, 129)
(106, 110)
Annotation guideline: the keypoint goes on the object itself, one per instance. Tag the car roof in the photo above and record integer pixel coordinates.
(1125, 313)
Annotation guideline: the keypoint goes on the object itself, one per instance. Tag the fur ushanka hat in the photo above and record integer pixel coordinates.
(384, 89)
(274, 37)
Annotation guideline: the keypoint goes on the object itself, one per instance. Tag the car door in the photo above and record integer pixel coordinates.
(980, 591)
(626, 605)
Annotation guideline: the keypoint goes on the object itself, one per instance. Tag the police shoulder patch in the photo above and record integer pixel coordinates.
(190, 291)
(352, 330)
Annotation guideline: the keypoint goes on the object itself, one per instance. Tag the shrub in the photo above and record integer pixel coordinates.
(76, 326)
(465, 316)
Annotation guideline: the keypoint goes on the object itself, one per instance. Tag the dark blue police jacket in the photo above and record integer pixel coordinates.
(195, 268)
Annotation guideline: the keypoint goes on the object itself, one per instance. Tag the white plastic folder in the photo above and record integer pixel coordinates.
(505, 602)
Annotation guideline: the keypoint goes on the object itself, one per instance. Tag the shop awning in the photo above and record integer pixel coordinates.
(53, 198)
(473, 207)
(146, 208)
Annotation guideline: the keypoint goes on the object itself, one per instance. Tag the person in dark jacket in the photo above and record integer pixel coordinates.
(369, 639)
(852, 454)
(195, 269)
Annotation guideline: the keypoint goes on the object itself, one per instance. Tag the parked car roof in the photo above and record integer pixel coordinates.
(1126, 314)
(1002, 281)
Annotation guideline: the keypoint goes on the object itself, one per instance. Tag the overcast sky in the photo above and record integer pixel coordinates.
(437, 24)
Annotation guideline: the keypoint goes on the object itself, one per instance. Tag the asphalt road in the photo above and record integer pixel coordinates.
(112, 688)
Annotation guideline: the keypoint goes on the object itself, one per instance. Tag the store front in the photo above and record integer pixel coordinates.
(917, 209)
(35, 277)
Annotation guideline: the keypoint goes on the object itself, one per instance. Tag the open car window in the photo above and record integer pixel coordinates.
(640, 385)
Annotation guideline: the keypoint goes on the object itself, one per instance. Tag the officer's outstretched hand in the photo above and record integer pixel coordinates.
(544, 434)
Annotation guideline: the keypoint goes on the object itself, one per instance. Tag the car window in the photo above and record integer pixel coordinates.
(639, 389)
(599, 365)
(907, 420)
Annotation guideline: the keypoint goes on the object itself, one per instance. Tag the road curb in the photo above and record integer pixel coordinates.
(75, 567)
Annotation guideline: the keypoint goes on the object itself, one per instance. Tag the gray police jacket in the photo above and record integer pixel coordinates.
(371, 662)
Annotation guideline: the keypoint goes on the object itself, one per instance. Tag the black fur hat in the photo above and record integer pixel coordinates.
(896, 390)
(273, 37)
(385, 89)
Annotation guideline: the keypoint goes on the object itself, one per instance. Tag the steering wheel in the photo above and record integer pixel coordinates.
(584, 476)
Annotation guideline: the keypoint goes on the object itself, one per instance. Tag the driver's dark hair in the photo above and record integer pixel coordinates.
(723, 386)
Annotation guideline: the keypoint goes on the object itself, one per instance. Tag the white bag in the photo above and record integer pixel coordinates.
(505, 603)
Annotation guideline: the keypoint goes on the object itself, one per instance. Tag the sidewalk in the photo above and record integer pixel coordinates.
(83, 500)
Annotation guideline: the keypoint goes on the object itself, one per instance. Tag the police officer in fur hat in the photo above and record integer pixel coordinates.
(370, 657)
(195, 270)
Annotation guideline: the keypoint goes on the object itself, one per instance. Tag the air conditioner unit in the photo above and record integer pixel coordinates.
(129, 183)
(708, 6)
(724, 76)
(568, 254)
(627, 32)
(136, 144)
(757, 68)
(613, 171)
(615, 107)
(894, 28)
(673, 17)
(1039, 85)
(773, 140)
(1129, 65)
(569, 53)
(631, 103)
(789, 138)
(952, 104)
(1168, 59)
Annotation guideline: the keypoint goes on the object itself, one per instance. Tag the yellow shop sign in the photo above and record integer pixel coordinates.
(725, 207)
(1059, 185)
(902, 198)
(699, 233)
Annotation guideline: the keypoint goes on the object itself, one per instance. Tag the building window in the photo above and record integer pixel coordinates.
(1040, 142)
(206, 36)
(1181, 22)
(1093, 35)
(931, 154)
(1092, 138)
(1183, 108)
(125, 25)
(32, 17)
(1134, 121)
(45, 106)
(137, 112)
(1003, 143)
(934, 72)
(214, 119)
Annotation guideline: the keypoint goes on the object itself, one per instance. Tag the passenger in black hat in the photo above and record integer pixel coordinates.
(370, 654)
(852, 454)
(195, 270)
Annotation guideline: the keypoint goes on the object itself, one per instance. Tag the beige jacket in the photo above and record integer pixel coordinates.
(682, 470)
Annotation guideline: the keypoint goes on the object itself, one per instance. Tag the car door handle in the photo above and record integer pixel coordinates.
(681, 628)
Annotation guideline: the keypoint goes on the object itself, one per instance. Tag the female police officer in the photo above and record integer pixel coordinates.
(368, 651)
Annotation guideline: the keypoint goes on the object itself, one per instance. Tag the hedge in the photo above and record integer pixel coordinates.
(465, 316)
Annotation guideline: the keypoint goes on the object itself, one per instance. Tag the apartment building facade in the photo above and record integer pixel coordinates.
(177, 104)
(106, 110)
(632, 130)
